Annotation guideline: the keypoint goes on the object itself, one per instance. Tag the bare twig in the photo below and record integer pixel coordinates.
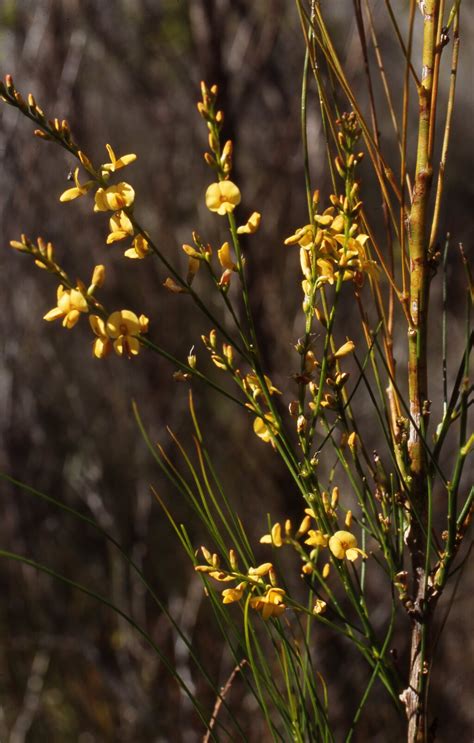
(224, 691)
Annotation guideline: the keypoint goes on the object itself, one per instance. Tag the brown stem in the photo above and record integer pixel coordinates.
(415, 695)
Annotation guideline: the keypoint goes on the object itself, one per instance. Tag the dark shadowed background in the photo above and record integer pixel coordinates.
(127, 72)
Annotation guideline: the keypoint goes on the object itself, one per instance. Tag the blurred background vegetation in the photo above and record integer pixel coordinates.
(127, 72)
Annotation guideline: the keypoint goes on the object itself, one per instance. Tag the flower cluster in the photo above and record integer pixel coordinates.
(120, 330)
(118, 198)
(261, 582)
(342, 544)
(265, 425)
(257, 389)
(326, 250)
(333, 246)
(266, 596)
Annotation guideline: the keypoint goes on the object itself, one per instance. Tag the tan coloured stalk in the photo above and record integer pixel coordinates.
(415, 694)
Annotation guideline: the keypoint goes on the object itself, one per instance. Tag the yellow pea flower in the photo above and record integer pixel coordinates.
(71, 303)
(352, 441)
(114, 198)
(316, 538)
(117, 163)
(252, 383)
(274, 537)
(319, 606)
(344, 544)
(304, 236)
(213, 572)
(123, 327)
(222, 197)
(221, 576)
(78, 190)
(260, 570)
(326, 218)
(271, 604)
(102, 345)
(120, 227)
(229, 595)
(265, 429)
(225, 258)
(252, 225)
(325, 271)
(140, 248)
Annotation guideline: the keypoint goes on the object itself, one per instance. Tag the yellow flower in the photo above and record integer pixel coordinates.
(352, 441)
(229, 595)
(114, 198)
(78, 190)
(265, 428)
(117, 163)
(344, 544)
(102, 345)
(222, 197)
(252, 225)
(120, 227)
(71, 303)
(319, 606)
(304, 236)
(123, 327)
(252, 384)
(316, 538)
(260, 570)
(325, 271)
(140, 248)
(221, 576)
(225, 259)
(271, 604)
(274, 537)
(213, 572)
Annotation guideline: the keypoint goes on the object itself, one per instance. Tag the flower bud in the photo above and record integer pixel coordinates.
(98, 276)
(352, 441)
(344, 350)
(304, 526)
(233, 559)
(192, 358)
(293, 407)
(228, 352)
(301, 424)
